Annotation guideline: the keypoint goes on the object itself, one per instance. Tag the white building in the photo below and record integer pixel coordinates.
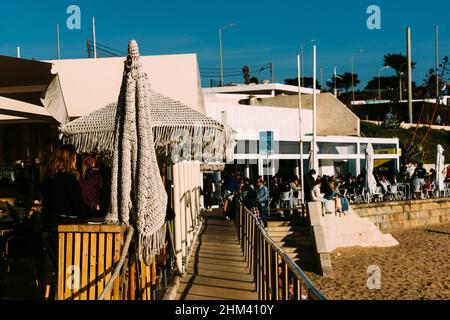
(252, 109)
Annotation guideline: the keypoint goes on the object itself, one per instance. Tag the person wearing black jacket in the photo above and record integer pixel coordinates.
(62, 199)
(309, 185)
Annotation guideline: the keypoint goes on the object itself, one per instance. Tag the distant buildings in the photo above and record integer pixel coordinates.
(253, 109)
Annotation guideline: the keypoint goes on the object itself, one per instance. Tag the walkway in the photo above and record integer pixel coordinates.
(217, 270)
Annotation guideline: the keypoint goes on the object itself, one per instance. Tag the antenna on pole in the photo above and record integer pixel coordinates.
(272, 78)
(89, 50)
(58, 47)
(94, 38)
(410, 104)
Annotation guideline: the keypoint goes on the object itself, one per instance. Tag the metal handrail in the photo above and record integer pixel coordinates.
(264, 257)
(119, 266)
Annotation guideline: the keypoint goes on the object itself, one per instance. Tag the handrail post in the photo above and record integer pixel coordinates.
(270, 266)
(277, 278)
(286, 282)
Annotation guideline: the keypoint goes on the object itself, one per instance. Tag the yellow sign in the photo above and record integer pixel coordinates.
(385, 151)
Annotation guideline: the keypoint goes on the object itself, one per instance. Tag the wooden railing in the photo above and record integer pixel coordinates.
(88, 258)
(277, 276)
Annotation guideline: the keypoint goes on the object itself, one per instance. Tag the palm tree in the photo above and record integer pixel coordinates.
(398, 62)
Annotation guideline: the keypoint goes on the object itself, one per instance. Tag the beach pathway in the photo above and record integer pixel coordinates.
(217, 269)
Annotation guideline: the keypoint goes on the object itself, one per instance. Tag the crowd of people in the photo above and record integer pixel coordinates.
(70, 194)
(73, 188)
(335, 191)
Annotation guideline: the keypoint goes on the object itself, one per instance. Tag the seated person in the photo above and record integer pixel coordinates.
(295, 186)
(317, 195)
(385, 184)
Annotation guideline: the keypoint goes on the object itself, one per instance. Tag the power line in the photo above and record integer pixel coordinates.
(99, 45)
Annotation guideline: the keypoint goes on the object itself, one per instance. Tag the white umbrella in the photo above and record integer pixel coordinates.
(313, 158)
(440, 166)
(138, 196)
(371, 183)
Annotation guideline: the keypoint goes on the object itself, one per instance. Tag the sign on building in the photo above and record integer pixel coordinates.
(266, 142)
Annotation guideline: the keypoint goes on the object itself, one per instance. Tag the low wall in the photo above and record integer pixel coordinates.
(402, 215)
(332, 231)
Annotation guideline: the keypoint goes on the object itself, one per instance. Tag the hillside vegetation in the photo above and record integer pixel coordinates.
(434, 138)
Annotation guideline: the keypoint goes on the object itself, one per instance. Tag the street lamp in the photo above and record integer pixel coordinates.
(400, 75)
(353, 71)
(334, 79)
(220, 49)
(379, 80)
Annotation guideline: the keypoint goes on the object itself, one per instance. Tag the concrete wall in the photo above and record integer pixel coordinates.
(403, 215)
(333, 231)
(333, 117)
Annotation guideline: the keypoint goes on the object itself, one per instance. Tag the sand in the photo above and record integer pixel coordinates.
(419, 268)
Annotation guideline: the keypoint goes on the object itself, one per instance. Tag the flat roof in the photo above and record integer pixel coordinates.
(267, 88)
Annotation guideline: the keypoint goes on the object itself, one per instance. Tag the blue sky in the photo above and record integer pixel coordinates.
(265, 31)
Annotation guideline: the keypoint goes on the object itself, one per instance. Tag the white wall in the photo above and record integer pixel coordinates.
(89, 84)
(248, 120)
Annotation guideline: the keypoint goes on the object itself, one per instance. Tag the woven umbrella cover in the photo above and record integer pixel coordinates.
(371, 182)
(440, 168)
(138, 197)
(172, 121)
(314, 158)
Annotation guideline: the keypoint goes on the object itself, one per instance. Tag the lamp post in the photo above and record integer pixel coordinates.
(220, 49)
(302, 70)
(400, 88)
(353, 71)
(335, 76)
(379, 80)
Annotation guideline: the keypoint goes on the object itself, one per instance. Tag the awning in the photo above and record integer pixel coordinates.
(30, 85)
(176, 127)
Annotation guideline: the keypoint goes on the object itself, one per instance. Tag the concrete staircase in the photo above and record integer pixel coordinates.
(296, 239)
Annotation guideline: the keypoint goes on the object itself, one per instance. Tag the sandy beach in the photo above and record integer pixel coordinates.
(419, 268)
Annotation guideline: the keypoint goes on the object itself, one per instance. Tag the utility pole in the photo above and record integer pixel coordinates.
(220, 50)
(272, 78)
(410, 104)
(314, 106)
(302, 70)
(300, 129)
(353, 73)
(58, 48)
(89, 50)
(321, 78)
(94, 38)
(437, 65)
(334, 80)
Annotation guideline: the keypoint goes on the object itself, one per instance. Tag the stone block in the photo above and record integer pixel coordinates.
(413, 223)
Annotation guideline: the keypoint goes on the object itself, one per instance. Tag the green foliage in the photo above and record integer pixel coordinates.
(434, 138)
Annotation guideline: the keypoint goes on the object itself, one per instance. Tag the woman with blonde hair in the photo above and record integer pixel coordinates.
(62, 199)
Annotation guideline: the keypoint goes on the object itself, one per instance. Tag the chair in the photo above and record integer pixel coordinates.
(297, 201)
(392, 194)
(286, 198)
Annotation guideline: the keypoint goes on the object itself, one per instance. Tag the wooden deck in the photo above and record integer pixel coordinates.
(217, 270)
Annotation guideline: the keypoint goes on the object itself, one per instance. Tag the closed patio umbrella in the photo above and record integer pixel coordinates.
(371, 183)
(440, 167)
(138, 197)
(313, 158)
